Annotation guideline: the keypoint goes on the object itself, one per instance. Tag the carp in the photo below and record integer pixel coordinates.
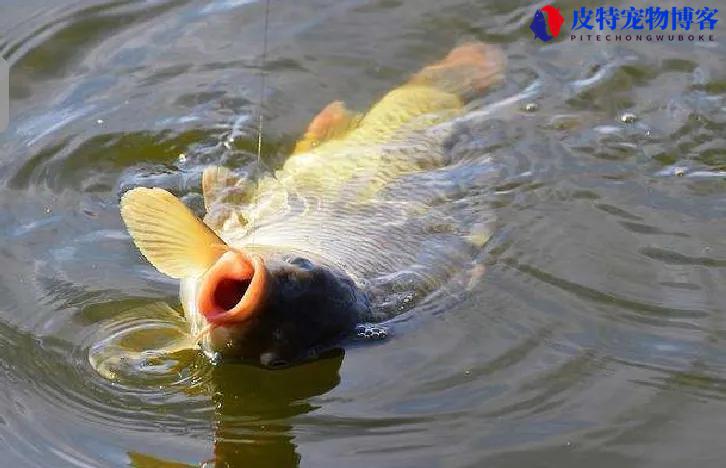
(279, 270)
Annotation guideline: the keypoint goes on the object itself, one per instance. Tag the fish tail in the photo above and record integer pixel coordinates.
(467, 71)
(439, 88)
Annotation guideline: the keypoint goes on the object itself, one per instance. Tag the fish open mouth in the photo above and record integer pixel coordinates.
(233, 289)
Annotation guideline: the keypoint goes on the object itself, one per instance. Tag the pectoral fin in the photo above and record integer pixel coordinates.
(169, 235)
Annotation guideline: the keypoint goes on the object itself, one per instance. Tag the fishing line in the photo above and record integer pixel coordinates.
(261, 115)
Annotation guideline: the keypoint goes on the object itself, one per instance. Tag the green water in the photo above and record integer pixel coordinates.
(595, 337)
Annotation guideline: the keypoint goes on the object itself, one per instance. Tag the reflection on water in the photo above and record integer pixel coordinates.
(254, 407)
(147, 346)
(252, 413)
(591, 330)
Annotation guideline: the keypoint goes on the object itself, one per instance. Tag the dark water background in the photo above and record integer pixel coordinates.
(595, 338)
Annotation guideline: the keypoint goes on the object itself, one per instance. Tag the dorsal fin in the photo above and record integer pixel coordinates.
(169, 235)
(331, 123)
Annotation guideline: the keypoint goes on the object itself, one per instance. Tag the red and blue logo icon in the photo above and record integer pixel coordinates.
(546, 23)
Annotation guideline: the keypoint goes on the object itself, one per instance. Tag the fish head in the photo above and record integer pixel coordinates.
(273, 309)
(267, 305)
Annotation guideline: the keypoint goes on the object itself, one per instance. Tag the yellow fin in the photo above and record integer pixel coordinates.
(169, 235)
(435, 93)
(331, 123)
(468, 70)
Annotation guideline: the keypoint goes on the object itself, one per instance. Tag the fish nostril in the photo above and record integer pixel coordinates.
(302, 263)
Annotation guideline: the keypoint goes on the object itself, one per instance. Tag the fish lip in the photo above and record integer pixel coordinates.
(234, 265)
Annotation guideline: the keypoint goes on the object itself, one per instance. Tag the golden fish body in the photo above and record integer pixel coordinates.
(346, 207)
(330, 195)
